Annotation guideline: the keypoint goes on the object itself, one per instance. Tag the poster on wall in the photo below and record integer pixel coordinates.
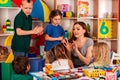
(83, 8)
(105, 29)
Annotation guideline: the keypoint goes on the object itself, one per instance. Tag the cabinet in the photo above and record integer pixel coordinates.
(107, 10)
(102, 17)
(7, 13)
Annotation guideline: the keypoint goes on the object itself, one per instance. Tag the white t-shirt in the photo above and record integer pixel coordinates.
(60, 64)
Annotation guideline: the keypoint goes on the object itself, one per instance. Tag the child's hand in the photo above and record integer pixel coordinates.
(41, 29)
(40, 33)
(35, 30)
(38, 30)
(60, 38)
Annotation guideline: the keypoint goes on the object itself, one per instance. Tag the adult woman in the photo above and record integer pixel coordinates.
(80, 45)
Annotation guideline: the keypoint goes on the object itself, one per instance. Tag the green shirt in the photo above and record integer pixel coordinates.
(21, 77)
(21, 43)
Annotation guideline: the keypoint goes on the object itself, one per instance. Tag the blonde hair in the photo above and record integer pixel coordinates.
(101, 53)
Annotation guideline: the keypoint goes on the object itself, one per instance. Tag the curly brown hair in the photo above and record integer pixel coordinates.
(20, 64)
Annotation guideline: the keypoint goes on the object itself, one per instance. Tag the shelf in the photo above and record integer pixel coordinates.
(107, 39)
(9, 8)
(104, 39)
(5, 34)
(90, 18)
(108, 19)
(74, 18)
(87, 18)
(36, 21)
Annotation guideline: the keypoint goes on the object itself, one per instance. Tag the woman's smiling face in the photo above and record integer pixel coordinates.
(78, 30)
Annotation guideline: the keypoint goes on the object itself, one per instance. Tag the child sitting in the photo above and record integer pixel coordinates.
(21, 67)
(101, 54)
(62, 58)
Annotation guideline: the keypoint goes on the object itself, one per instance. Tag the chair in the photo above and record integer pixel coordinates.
(8, 42)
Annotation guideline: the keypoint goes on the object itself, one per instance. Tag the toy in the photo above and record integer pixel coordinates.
(18, 2)
(110, 75)
(8, 22)
(39, 8)
(94, 73)
(42, 11)
(69, 14)
(5, 3)
(42, 51)
(48, 69)
(40, 41)
(4, 27)
(10, 29)
(88, 27)
(65, 7)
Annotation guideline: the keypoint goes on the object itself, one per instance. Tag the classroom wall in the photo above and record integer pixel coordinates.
(50, 4)
(66, 25)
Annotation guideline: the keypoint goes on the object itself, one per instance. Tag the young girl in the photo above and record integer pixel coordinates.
(21, 67)
(61, 58)
(53, 32)
(101, 54)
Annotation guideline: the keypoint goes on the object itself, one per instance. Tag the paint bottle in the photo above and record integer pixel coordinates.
(66, 34)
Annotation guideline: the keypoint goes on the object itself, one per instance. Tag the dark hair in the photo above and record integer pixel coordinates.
(29, 1)
(58, 51)
(54, 13)
(83, 25)
(20, 64)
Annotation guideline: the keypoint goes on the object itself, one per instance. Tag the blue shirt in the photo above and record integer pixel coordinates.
(55, 32)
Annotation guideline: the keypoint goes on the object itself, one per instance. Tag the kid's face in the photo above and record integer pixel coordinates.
(56, 20)
(27, 7)
(78, 30)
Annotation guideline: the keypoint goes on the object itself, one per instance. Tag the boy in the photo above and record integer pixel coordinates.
(21, 67)
(23, 29)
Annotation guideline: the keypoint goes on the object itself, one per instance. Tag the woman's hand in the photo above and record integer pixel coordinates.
(67, 44)
(75, 46)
